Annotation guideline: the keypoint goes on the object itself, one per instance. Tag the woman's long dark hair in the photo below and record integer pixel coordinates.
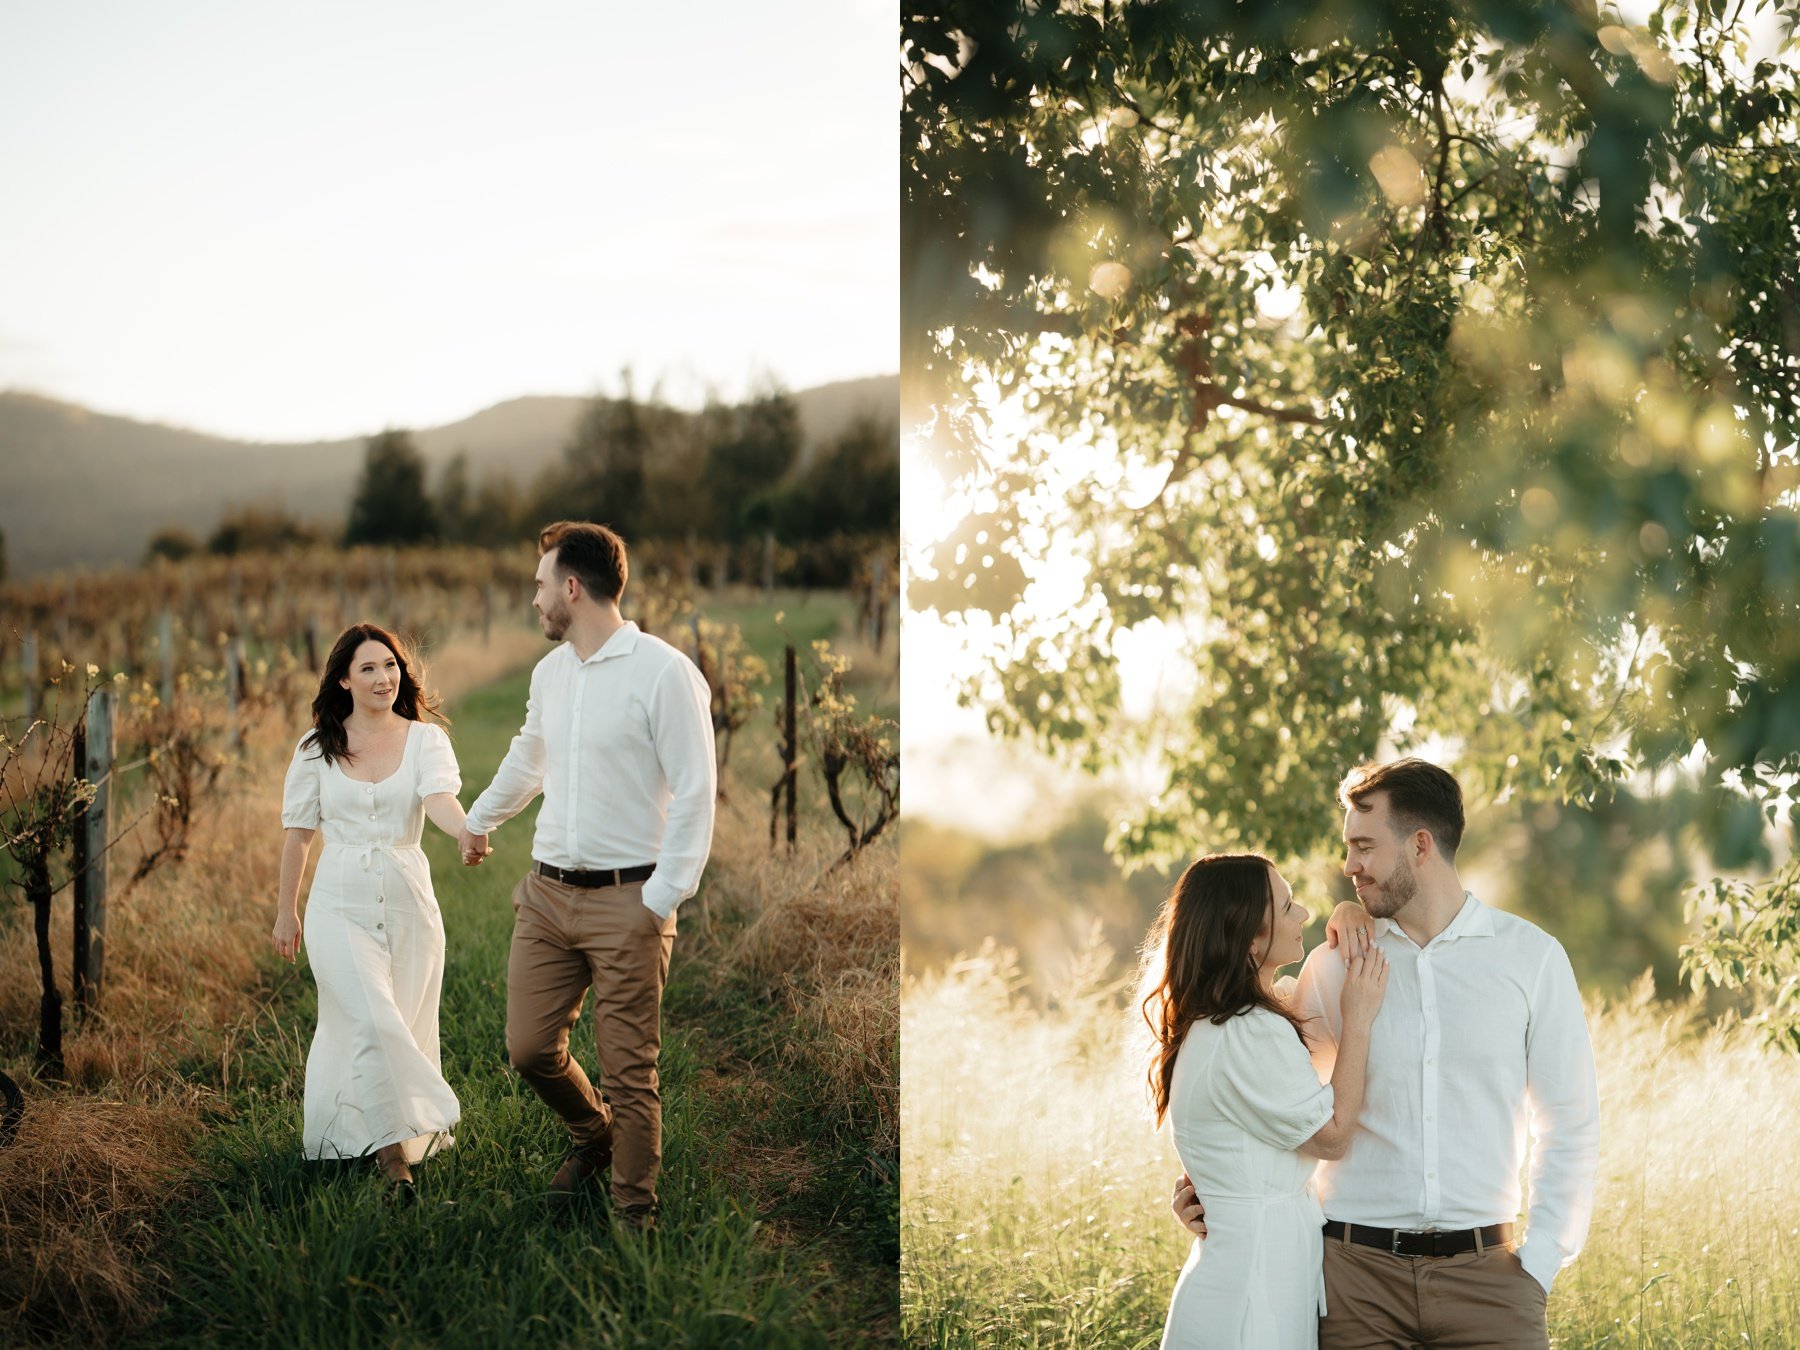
(334, 703)
(1199, 956)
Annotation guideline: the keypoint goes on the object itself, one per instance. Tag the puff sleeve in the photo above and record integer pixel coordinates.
(300, 793)
(437, 762)
(1263, 1081)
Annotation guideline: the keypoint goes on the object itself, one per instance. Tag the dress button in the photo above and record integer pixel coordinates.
(378, 927)
(381, 899)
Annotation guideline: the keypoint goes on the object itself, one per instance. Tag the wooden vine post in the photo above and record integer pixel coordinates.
(92, 760)
(165, 650)
(790, 749)
(234, 687)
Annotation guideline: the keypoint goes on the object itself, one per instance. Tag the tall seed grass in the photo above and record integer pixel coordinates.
(1035, 1196)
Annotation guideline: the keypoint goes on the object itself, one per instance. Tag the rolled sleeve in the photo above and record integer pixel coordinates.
(1563, 1098)
(300, 790)
(682, 733)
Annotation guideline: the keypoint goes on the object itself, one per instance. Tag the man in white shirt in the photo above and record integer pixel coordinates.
(618, 737)
(1480, 1044)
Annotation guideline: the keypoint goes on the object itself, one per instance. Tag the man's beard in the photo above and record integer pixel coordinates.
(555, 621)
(1393, 895)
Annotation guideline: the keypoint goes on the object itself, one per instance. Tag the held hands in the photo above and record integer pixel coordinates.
(286, 937)
(1350, 931)
(1365, 984)
(473, 847)
(1188, 1208)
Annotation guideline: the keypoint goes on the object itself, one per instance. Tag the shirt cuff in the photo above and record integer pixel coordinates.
(660, 900)
(1535, 1257)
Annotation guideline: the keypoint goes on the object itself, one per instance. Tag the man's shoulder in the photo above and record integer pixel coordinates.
(1323, 967)
(1521, 933)
(562, 654)
(650, 647)
(1319, 960)
(658, 656)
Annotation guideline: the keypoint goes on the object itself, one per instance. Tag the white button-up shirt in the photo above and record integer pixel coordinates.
(1480, 1043)
(621, 746)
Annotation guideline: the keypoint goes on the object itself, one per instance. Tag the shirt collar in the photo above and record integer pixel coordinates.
(621, 643)
(1474, 919)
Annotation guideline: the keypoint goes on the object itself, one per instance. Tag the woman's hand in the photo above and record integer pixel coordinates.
(286, 937)
(1365, 984)
(1350, 930)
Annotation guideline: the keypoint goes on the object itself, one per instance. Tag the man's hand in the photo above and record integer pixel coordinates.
(1188, 1208)
(473, 847)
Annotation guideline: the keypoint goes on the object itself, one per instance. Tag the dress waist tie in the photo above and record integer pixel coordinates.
(1253, 1216)
(365, 853)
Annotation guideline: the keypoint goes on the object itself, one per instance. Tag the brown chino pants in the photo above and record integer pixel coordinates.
(567, 939)
(1479, 1300)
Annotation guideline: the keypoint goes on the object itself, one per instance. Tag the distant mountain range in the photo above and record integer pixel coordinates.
(86, 489)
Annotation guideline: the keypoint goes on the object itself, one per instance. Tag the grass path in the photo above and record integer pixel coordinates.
(778, 1227)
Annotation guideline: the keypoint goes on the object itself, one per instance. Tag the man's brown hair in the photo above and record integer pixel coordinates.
(592, 554)
(1421, 796)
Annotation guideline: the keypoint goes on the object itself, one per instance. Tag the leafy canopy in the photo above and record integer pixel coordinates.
(1432, 365)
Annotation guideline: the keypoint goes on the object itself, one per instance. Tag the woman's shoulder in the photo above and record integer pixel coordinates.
(1261, 1025)
(435, 752)
(307, 747)
(1241, 1033)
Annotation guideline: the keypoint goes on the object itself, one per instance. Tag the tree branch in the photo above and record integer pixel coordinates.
(1213, 398)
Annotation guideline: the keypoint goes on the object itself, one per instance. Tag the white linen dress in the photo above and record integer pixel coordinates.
(1242, 1097)
(375, 942)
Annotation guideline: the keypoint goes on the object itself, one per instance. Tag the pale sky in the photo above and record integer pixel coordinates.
(285, 222)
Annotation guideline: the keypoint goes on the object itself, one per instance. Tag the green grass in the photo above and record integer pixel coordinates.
(778, 1228)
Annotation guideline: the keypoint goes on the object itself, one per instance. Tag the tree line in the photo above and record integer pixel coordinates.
(727, 474)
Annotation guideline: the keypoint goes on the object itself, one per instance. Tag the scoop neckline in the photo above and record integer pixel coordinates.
(377, 782)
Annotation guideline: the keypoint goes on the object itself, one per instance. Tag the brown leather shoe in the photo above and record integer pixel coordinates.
(581, 1162)
(638, 1218)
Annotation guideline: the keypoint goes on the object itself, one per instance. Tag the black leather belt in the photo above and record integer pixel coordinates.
(591, 880)
(1433, 1243)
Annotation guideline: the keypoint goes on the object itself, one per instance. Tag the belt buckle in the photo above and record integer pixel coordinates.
(1394, 1242)
(614, 874)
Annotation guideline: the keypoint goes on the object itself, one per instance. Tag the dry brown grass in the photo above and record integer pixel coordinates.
(98, 1158)
(182, 948)
(828, 942)
(81, 1188)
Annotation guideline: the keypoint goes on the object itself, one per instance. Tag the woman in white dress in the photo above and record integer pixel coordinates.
(1231, 1072)
(368, 773)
